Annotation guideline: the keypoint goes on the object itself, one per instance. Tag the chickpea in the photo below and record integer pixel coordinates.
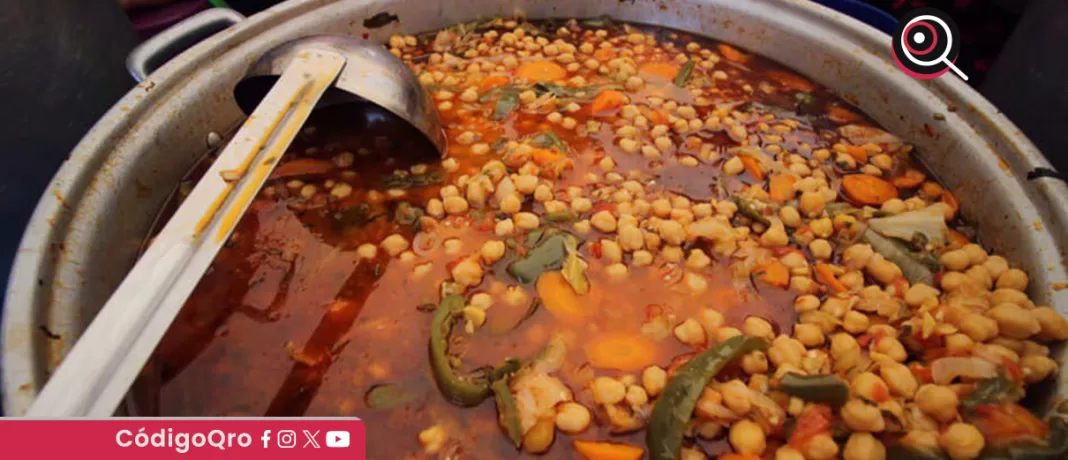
(939, 402)
(1011, 296)
(845, 350)
(893, 206)
(671, 232)
(641, 258)
(868, 385)
(919, 293)
(1053, 325)
(394, 244)
(604, 221)
(572, 417)
(775, 236)
(855, 322)
(611, 252)
(820, 249)
(698, 260)
(821, 446)
(733, 166)
(959, 343)
(1037, 368)
(1013, 278)
(654, 378)
(863, 446)
(956, 260)
(899, 378)
(962, 441)
(1013, 321)
(504, 227)
(921, 441)
(892, 347)
(690, 333)
(726, 333)
(758, 327)
(884, 271)
(468, 272)
(692, 454)
(977, 327)
(785, 350)
(788, 453)
(859, 416)
(755, 363)
(996, 266)
(809, 335)
(747, 437)
(806, 303)
(857, 256)
(540, 437)
(607, 390)
(433, 439)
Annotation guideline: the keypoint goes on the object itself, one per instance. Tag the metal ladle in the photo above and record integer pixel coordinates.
(287, 83)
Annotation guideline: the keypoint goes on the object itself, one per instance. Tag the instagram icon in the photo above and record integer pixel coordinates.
(287, 439)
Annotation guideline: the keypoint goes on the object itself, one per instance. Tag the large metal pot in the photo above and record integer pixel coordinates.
(86, 230)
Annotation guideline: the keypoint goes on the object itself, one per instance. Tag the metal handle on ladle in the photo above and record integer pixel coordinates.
(97, 373)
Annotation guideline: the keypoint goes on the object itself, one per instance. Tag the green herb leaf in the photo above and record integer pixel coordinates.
(575, 274)
(684, 74)
(508, 103)
(989, 391)
(549, 254)
(548, 139)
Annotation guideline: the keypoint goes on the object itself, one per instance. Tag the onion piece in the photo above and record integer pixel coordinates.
(945, 370)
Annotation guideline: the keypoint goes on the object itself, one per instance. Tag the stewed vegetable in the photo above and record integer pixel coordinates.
(640, 244)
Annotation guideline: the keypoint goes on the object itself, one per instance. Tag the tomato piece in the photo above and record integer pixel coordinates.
(813, 421)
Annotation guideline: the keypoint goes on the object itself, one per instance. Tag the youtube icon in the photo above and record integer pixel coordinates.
(337, 439)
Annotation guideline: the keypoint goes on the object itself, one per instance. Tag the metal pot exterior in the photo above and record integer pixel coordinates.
(87, 229)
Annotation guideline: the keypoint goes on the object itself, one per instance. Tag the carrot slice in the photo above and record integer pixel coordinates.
(604, 54)
(753, 166)
(857, 152)
(540, 71)
(792, 81)
(303, 167)
(593, 450)
(842, 115)
(660, 69)
(492, 81)
(781, 187)
(951, 200)
(776, 274)
(869, 190)
(560, 299)
(825, 273)
(957, 239)
(912, 178)
(543, 157)
(607, 101)
(620, 351)
(732, 54)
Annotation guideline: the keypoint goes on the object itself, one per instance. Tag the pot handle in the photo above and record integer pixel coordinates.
(156, 51)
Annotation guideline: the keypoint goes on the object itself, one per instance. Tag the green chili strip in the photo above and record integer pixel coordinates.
(829, 389)
(913, 265)
(675, 406)
(684, 74)
(459, 389)
(749, 209)
(507, 413)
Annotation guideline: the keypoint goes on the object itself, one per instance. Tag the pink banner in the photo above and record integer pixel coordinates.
(186, 438)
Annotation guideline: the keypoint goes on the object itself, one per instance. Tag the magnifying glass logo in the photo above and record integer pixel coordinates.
(925, 44)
